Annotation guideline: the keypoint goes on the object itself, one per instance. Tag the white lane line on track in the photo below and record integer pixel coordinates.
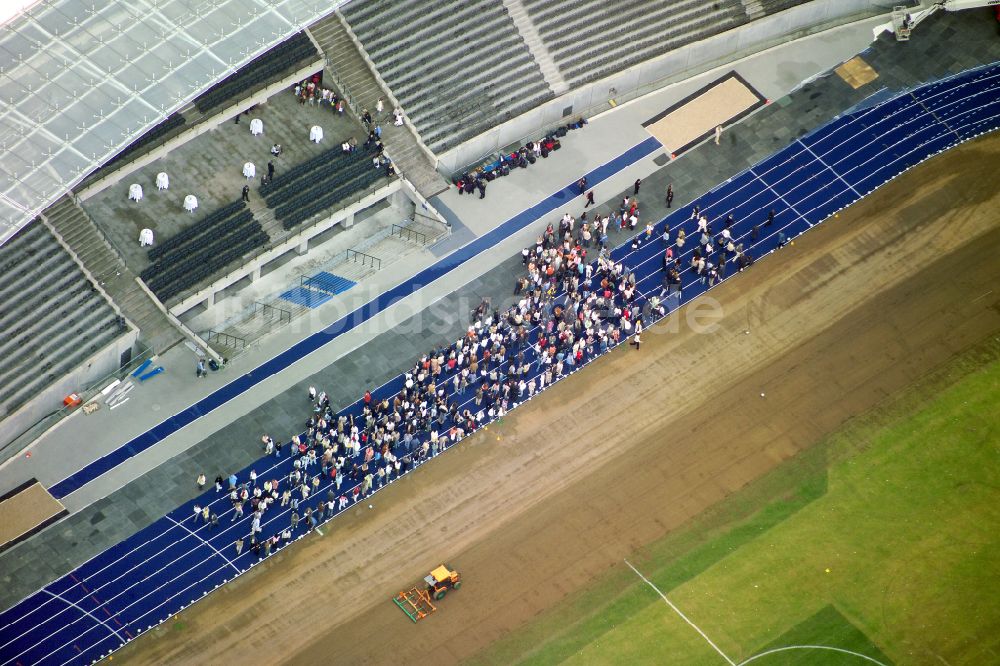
(224, 496)
(205, 541)
(464, 404)
(366, 305)
(683, 616)
(811, 647)
(820, 160)
(87, 613)
(781, 198)
(586, 363)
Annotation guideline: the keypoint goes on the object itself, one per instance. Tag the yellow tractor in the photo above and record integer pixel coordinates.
(417, 604)
(440, 580)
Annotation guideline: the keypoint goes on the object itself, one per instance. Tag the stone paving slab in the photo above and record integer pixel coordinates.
(58, 549)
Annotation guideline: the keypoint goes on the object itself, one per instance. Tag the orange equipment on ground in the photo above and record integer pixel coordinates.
(417, 604)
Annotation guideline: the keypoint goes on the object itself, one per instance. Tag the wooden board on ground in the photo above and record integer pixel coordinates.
(856, 72)
(26, 510)
(693, 119)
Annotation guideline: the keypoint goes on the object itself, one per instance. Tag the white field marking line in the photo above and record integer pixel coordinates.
(780, 198)
(464, 404)
(79, 636)
(138, 620)
(225, 495)
(887, 165)
(982, 296)
(937, 118)
(537, 372)
(911, 104)
(87, 613)
(820, 160)
(810, 647)
(904, 139)
(205, 541)
(574, 369)
(587, 362)
(255, 369)
(678, 611)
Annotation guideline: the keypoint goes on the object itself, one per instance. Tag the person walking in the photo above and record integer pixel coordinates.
(246, 193)
(201, 482)
(270, 171)
(590, 199)
(295, 519)
(670, 194)
(718, 133)
(635, 186)
(770, 218)
(200, 369)
(638, 332)
(239, 546)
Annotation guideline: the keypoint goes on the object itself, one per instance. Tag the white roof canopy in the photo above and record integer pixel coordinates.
(82, 79)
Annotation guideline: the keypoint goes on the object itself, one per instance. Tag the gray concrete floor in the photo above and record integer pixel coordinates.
(134, 494)
(210, 167)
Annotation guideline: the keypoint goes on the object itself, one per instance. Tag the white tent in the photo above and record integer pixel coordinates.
(82, 79)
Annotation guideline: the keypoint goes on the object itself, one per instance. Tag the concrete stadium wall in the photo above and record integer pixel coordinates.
(95, 368)
(654, 74)
(206, 296)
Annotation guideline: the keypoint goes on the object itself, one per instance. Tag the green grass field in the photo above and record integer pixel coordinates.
(882, 540)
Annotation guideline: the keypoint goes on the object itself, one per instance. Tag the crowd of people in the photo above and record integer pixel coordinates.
(568, 307)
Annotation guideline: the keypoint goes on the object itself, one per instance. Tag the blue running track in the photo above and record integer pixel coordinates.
(140, 582)
(310, 344)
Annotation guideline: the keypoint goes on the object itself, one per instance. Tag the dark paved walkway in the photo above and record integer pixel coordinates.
(931, 54)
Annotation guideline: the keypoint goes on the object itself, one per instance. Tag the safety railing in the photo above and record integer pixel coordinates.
(364, 259)
(270, 312)
(409, 234)
(225, 339)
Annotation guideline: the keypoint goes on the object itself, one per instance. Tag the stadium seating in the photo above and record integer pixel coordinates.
(51, 317)
(158, 132)
(287, 56)
(644, 30)
(457, 67)
(775, 6)
(319, 184)
(195, 254)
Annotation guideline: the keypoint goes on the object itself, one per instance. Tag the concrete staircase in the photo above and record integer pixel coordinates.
(550, 71)
(351, 72)
(753, 8)
(72, 224)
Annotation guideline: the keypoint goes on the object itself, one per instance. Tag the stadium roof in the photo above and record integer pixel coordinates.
(82, 79)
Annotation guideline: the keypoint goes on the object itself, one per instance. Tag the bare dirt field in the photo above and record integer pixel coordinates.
(635, 445)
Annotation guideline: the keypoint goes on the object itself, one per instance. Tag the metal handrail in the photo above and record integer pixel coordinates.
(283, 315)
(231, 341)
(365, 259)
(408, 233)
